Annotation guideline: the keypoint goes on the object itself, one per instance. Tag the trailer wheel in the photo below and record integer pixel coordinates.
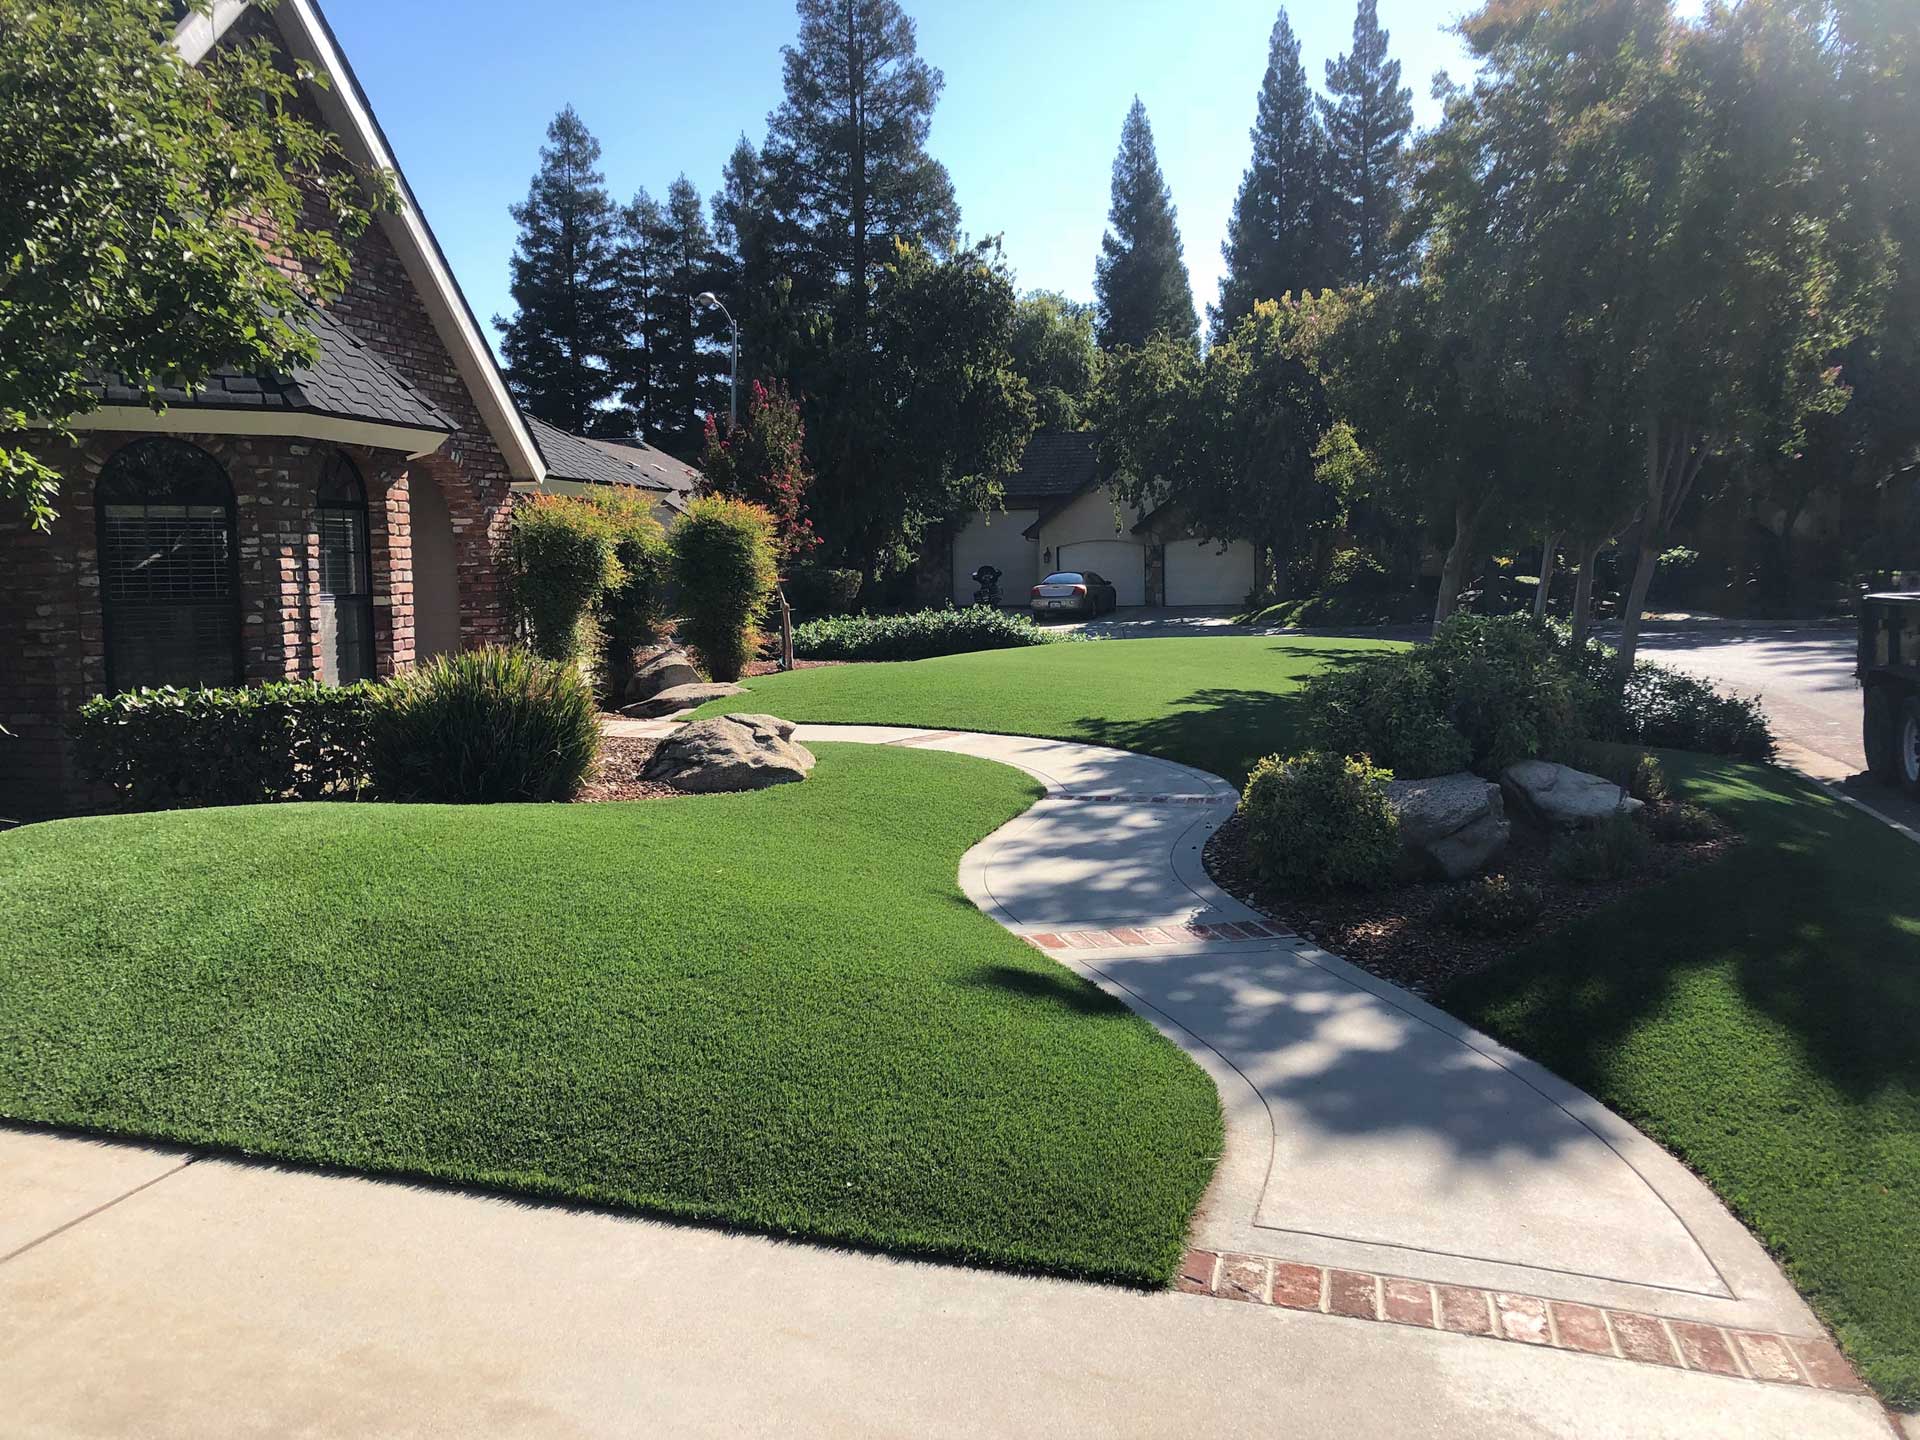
(1879, 724)
(1907, 747)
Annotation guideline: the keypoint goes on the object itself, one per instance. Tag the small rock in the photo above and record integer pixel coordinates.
(678, 698)
(730, 752)
(1450, 825)
(667, 670)
(1562, 798)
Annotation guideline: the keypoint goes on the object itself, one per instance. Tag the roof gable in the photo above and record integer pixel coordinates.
(1056, 465)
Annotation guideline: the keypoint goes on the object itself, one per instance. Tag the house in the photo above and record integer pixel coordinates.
(337, 523)
(1060, 515)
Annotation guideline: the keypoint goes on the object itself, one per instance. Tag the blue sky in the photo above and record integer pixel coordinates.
(1028, 123)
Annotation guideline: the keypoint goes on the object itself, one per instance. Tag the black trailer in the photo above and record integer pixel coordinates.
(1889, 672)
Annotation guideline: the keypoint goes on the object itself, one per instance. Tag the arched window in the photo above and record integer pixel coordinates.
(168, 589)
(346, 575)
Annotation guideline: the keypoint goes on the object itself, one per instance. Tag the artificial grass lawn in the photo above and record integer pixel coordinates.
(772, 1009)
(1761, 1018)
(1218, 703)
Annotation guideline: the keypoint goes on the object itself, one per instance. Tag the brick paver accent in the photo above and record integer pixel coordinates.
(1521, 1319)
(1238, 932)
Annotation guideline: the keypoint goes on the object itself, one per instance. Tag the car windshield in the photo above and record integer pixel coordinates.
(1063, 577)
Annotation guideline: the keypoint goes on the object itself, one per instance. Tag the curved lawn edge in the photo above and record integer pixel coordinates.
(870, 1061)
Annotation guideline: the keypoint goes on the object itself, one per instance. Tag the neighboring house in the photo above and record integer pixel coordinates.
(1059, 516)
(338, 523)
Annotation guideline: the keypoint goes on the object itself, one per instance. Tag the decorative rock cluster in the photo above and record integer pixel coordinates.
(1558, 797)
(1453, 826)
(668, 684)
(730, 752)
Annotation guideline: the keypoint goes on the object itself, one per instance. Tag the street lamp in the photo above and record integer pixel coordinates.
(712, 302)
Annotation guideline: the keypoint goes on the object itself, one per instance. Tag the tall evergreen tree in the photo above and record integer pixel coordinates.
(560, 344)
(1276, 238)
(687, 364)
(746, 274)
(847, 167)
(645, 292)
(1140, 279)
(1368, 115)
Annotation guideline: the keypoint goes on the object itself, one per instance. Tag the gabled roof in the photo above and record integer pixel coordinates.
(345, 107)
(1056, 465)
(613, 462)
(347, 381)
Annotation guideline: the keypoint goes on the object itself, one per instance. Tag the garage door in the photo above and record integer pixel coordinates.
(1198, 573)
(1124, 564)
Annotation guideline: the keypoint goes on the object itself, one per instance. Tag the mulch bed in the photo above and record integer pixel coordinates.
(1398, 933)
(616, 773)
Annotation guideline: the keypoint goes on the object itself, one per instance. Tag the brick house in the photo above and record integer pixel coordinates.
(338, 523)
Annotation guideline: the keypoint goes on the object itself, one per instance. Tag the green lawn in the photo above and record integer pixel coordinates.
(1761, 1018)
(773, 1009)
(1218, 703)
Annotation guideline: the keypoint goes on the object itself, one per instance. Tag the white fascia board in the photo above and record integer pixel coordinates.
(293, 425)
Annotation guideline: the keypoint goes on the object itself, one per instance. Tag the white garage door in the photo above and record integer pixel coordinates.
(996, 539)
(1199, 573)
(1124, 564)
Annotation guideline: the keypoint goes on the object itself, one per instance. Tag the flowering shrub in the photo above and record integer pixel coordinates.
(764, 462)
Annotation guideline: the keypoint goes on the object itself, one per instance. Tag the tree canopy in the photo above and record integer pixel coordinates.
(1368, 116)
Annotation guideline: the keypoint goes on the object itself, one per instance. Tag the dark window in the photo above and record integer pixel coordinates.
(1062, 577)
(167, 585)
(346, 576)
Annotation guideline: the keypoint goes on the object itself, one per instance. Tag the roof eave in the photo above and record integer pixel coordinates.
(411, 440)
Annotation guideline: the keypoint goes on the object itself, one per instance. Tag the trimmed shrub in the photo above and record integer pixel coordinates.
(1319, 822)
(173, 749)
(916, 636)
(1681, 824)
(485, 726)
(823, 590)
(1391, 707)
(1492, 905)
(633, 608)
(557, 561)
(723, 564)
(1612, 850)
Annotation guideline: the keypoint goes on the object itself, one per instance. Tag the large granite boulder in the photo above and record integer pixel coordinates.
(730, 752)
(1451, 825)
(1559, 797)
(669, 669)
(678, 698)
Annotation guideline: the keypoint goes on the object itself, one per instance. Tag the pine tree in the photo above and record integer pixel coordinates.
(846, 161)
(1276, 237)
(644, 294)
(746, 276)
(561, 343)
(1140, 278)
(686, 364)
(1368, 115)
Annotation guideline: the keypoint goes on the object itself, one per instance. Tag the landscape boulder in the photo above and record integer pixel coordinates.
(1559, 797)
(730, 752)
(678, 698)
(668, 670)
(1451, 825)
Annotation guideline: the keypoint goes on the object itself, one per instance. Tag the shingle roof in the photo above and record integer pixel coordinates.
(612, 462)
(347, 381)
(1057, 464)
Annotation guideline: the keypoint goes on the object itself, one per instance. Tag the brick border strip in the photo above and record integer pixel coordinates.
(1122, 936)
(1523, 1319)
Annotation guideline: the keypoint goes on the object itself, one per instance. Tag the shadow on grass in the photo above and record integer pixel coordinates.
(1062, 988)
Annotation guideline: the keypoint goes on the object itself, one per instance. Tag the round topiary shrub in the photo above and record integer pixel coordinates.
(1320, 821)
(723, 563)
(485, 726)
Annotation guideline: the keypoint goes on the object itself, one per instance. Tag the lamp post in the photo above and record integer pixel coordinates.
(712, 302)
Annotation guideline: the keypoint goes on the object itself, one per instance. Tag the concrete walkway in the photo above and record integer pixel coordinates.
(144, 1290)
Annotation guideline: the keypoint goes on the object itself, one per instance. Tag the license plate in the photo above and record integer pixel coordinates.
(1055, 604)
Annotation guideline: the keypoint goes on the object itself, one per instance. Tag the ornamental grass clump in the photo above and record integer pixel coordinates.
(1319, 822)
(724, 566)
(485, 726)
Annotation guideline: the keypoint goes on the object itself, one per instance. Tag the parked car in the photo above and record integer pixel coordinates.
(1074, 592)
(1889, 672)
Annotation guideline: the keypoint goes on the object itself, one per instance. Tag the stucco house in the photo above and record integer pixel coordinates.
(1060, 516)
(337, 523)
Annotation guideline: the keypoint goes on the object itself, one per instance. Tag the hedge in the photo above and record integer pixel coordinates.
(917, 636)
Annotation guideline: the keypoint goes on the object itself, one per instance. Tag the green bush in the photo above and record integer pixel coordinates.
(1319, 822)
(633, 607)
(823, 590)
(1492, 905)
(916, 636)
(1681, 824)
(1612, 850)
(485, 726)
(723, 564)
(1507, 689)
(557, 561)
(1658, 705)
(1391, 707)
(174, 749)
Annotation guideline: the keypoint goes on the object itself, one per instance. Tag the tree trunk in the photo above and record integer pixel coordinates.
(1636, 601)
(1466, 523)
(1277, 555)
(1583, 593)
(1547, 548)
